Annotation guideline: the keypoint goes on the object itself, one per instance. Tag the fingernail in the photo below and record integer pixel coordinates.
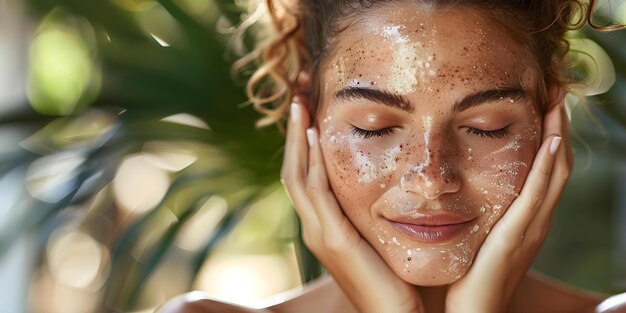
(311, 137)
(554, 145)
(295, 112)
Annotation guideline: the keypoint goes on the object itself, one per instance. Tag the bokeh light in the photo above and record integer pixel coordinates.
(244, 279)
(63, 76)
(75, 259)
(139, 184)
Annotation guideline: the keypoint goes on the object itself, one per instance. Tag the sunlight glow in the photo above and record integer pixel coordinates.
(139, 185)
(244, 279)
(74, 258)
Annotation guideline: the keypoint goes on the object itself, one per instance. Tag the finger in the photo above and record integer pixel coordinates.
(516, 220)
(555, 123)
(558, 180)
(318, 187)
(293, 173)
(296, 150)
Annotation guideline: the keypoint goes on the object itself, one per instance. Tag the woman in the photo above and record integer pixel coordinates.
(426, 151)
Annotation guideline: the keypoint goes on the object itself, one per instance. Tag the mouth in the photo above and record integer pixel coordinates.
(440, 228)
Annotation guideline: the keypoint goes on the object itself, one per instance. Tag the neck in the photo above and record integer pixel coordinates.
(433, 298)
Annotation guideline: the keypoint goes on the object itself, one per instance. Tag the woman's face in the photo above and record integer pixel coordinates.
(429, 126)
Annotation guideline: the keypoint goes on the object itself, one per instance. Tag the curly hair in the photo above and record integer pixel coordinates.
(303, 30)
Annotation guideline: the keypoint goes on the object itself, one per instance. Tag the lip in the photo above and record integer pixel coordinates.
(438, 228)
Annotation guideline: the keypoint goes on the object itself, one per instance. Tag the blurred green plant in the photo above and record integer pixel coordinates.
(105, 80)
(157, 59)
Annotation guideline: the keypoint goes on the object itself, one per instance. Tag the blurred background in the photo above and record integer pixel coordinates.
(131, 170)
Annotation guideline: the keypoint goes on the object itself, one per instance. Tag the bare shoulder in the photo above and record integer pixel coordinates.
(322, 295)
(197, 302)
(539, 293)
(613, 304)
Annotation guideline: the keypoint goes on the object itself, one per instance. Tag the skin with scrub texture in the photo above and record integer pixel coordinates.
(434, 138)
(426, 150)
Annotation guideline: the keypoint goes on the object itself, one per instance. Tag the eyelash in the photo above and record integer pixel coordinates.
(366, 134)
(498, 133)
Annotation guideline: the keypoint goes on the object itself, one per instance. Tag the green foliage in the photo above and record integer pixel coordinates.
(144, 80)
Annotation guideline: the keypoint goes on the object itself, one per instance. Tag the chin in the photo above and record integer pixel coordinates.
(431, 265)
(430, 276)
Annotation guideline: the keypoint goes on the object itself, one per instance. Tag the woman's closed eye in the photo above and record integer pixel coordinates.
(497, 133)
(366, 134)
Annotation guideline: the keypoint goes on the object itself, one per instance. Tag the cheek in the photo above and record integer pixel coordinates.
(357, 174)
(497, 177)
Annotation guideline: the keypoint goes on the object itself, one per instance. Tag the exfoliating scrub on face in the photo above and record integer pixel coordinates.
(428, 130)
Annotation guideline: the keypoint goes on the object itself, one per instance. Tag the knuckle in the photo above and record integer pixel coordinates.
(288, 178)
(311, 189)
(334, 244)
(534, 199)
(543, 235)
(544, 171)
(314, 189)
(285, 175)
(309, 241)
(284, 180)
(532, 239)
(341, 239)
(567, 172)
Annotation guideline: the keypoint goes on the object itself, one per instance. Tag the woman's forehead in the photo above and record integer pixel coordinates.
(416, 49)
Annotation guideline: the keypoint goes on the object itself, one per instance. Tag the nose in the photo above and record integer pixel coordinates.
(434, 176)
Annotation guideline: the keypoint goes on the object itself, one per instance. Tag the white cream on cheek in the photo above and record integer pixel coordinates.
(514, 145)
(370, 167)
(499, 178)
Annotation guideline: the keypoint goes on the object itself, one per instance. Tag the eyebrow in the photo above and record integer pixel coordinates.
(515, 93)
(375, 95)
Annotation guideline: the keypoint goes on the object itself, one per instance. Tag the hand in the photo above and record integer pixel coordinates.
(514, 241)
(362, 274)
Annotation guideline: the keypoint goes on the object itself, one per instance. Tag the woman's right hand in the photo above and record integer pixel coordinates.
(365, 278)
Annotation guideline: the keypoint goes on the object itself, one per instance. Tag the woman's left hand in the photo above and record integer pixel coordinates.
(513, 243)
